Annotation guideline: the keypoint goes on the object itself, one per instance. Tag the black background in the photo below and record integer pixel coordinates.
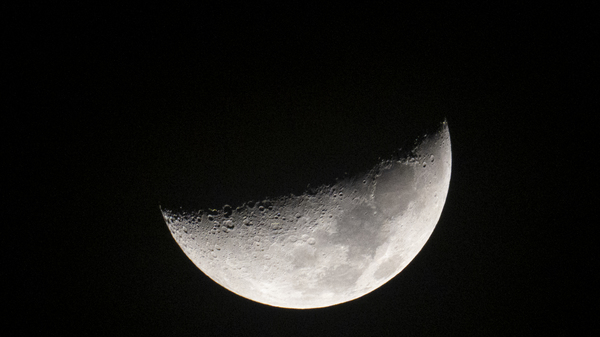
(114, 111)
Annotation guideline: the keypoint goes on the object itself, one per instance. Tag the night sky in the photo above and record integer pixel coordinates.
(115, 111)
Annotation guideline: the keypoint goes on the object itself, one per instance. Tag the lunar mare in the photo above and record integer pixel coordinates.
(325, 247)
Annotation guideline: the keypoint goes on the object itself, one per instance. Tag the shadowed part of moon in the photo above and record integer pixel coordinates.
(327, 247)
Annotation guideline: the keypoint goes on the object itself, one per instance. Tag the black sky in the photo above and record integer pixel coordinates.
(117, 110)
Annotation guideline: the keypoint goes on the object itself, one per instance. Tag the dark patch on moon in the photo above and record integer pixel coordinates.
(387, 268)
(340, 278)
(304, 257)
(360, 230)
(395, 189)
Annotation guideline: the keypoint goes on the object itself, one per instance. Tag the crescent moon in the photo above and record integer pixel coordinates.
(328, 246)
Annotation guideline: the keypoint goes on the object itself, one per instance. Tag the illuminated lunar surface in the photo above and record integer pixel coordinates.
(328, 246)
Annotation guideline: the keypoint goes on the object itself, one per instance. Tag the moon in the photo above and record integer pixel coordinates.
(329, 245)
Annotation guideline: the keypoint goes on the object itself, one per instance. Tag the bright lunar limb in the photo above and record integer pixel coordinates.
(328, 246)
